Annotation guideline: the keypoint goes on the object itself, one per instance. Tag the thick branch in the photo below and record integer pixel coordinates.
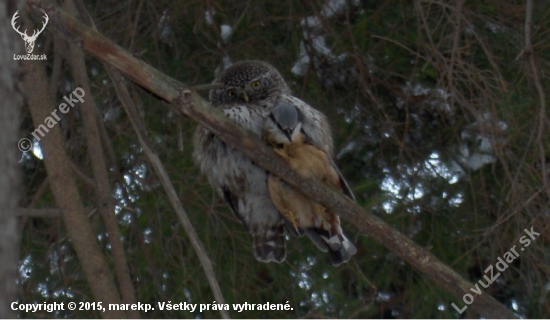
(193, 106)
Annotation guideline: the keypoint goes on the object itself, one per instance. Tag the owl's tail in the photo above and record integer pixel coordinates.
(269, 244)
(334, 241)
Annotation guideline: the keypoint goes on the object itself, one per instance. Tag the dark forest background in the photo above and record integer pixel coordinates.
(440, 120)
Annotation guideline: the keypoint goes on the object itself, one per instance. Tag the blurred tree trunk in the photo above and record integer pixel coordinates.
(9, 172)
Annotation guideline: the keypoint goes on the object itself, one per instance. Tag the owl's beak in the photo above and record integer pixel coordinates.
(245, 97)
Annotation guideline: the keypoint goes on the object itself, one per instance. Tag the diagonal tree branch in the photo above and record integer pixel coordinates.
(192, 105)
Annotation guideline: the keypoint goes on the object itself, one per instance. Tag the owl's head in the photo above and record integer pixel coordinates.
(249, 81)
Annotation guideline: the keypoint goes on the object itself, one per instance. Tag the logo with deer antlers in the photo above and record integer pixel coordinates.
(29, 41)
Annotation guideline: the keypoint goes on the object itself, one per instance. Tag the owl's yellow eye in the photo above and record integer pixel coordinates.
(231, 93)
(256, 84)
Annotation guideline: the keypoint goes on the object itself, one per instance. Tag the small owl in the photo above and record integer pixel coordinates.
(235, 177)
(283, 131)
(251, 90)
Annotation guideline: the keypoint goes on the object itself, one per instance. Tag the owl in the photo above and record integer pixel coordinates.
(236, 178)
(251, 90)
(283, 132)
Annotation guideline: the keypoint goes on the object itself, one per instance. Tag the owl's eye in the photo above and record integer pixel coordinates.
(231, 93)
(256, 84)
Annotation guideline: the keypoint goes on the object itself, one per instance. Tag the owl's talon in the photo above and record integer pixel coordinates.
(319, 210)
(292, 216)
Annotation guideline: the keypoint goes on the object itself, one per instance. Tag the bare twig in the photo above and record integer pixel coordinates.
(88, 182)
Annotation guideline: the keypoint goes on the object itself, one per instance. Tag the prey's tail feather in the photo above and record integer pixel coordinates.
(315, 235)
(338, 246)
(342, 249)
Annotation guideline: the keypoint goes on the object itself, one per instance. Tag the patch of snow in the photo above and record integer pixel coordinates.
(311, 22)
(479, 137)
(335, 7)
(300, 67)
(314, 50)
(226, 63)
(209, 17)
(476, 160)
(320, 46)
(349, 147)
(164, 29)
(226, 32)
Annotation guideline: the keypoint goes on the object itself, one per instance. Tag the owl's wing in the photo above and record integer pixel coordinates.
(243, 185)
(314, 123)
(345, 186)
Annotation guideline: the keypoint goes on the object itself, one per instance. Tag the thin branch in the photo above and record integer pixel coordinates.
(397, 43)
(88, 182)
(196, 108)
